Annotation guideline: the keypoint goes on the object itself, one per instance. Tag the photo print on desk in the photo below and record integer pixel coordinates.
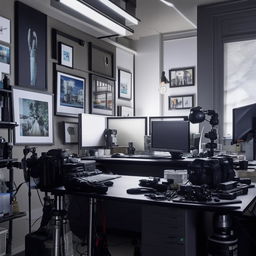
(124, 84)
(4, 63)
(179, 77)
(30, 47)
(33, 113)
(102, 96)
(66, 55)
(181, 102)
(5, 30)
(70, 94)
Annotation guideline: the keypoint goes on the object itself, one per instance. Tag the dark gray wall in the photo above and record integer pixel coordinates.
(217, 24)
(80, 69)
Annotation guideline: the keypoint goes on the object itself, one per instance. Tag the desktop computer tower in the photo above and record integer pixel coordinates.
(168, 231)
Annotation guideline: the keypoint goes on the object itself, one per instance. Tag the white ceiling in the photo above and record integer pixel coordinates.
(156, 17)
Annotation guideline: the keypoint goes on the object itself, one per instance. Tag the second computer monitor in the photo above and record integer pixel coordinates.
(171, 136)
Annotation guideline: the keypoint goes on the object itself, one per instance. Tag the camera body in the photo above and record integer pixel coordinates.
(211, 171)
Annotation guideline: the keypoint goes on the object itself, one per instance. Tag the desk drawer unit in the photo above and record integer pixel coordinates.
(168, 232)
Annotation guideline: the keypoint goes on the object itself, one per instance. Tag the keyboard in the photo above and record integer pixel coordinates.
(100, 177)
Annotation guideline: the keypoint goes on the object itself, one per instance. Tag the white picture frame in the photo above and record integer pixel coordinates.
(70, 94)
(33, 111)
(70, 133)
(5, 60)
(66, 57)
(5, 30)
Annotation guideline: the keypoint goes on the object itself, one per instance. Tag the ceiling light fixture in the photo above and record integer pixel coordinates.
(120, 11)
(178, 11)
(97, 17)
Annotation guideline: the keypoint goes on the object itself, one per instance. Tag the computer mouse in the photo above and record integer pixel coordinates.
(140, 190)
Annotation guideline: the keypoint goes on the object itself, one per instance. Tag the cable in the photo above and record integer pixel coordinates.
(17, 188)
(36, 221)
(39, 197)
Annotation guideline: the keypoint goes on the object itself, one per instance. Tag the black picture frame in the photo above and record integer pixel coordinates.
(124, 84)
(30, 47)
(180, 77)
(70, 99)
(66, 55)
(102, 96)
(181, 102)
(101, 61)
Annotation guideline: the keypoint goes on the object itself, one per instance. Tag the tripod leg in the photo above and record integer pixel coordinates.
(57, 234)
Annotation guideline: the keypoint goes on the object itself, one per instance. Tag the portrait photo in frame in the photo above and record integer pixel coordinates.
(180, 77)
(124, 84)
(70, 94)
(181, 102)
(70, 133)
(4, 63)
(5, 30)
(66, 57)
(102, 93)
(34, 114)
(30, 47)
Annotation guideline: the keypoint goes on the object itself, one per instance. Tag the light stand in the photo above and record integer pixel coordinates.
(197, 115)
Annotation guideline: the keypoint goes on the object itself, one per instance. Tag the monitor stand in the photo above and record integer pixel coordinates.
(176, 155)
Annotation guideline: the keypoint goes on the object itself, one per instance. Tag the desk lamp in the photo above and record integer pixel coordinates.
(197, 115)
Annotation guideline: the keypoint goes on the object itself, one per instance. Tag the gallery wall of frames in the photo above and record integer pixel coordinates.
(59, 72)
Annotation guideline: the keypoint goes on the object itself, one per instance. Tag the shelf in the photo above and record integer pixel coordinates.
(13, 216)
(7, 125)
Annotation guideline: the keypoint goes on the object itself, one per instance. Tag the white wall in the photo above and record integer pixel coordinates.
(147, 76)
(125, 61)
(178, 53)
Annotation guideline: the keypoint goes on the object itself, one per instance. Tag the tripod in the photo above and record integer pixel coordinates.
(62, 235)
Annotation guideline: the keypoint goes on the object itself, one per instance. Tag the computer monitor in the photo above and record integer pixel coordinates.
(129, 129)
(244, 123)
(91, 131)
(172, 136)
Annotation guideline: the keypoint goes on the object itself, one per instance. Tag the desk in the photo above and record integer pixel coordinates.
(139, 167)
(118, 193)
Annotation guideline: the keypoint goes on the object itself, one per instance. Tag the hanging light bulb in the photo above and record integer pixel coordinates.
(164, 81)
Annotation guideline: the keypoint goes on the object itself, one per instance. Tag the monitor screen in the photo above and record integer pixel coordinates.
(172, 136)
(91, 131)
(243, 118)
(129, 129)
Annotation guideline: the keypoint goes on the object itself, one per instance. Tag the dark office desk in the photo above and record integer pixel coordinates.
(118, 193)
(139, 166)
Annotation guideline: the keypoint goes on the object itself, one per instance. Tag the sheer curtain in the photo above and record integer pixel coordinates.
(239, 78)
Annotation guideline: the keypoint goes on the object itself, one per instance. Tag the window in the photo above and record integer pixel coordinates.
(239, 79)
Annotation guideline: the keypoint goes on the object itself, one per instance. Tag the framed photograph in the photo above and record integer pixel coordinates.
(179, 77)
(124, 84)
(124, 111)
(33, 113)
(70, 133)
(181, 102)
(102, 96)
(66, 55)
(100, 60)
(5, 30)
(30, 47)
(70, 90)
(4, 63)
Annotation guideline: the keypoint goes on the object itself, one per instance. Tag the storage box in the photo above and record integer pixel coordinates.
(3, 237)
(178, 176)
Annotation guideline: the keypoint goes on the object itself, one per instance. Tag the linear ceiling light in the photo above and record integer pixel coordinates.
(179, 12)
(96, 16)
(120, 11)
